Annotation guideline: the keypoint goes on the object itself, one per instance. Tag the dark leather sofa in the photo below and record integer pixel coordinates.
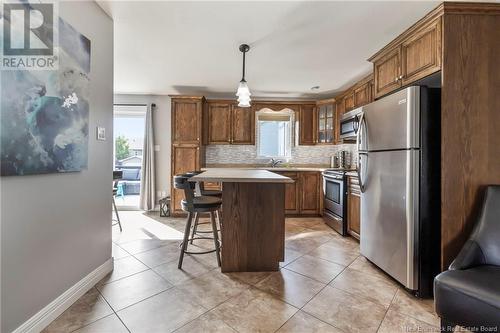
(468, 294)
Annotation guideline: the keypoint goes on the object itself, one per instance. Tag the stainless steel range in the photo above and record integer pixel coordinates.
(335, 199)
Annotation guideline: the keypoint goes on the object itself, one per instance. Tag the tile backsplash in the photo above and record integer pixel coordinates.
(246, 154)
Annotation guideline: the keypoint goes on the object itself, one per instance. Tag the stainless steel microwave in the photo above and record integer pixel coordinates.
(349, 124)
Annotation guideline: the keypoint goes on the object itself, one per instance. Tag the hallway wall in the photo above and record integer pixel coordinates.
(56, 228)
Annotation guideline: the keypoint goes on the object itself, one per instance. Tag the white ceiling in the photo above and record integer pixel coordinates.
(192, 47)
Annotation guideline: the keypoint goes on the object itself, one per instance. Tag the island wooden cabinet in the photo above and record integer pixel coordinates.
(417, 55)
(229, 124)
(353, 207)
(307, 124)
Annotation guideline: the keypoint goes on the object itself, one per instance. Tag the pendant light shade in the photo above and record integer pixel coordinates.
(243, 92)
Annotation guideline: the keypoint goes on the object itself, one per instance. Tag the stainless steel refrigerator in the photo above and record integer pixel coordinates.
(398, 163)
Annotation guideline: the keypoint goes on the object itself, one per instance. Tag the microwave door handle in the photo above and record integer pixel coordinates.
(355, 125)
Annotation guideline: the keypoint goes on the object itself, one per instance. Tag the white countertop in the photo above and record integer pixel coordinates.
(232, 175)
(278, 168)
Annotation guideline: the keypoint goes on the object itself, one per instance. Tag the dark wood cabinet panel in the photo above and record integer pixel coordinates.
(186, 120)
(219, 123)
(363, 94)
(421, 52)
(387, 71)
(353, 207)
(292, 193)
(242, 126)
(184, 158)
(309, 192)
(349, 101)
(307, 125)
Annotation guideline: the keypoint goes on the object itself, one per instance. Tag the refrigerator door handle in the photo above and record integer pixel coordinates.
(360, 178)
(358, 145)
(358, 130)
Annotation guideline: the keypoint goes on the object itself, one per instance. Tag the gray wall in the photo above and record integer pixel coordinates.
(56, 229)
(162, 135)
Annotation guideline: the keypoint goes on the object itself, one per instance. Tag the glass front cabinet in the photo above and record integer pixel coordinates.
(326, 122)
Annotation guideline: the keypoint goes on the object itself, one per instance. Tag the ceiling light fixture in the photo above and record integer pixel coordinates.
(243, 92)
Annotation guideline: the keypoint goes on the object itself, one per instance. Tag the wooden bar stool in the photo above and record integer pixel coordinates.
(200, 190)
(194, 205)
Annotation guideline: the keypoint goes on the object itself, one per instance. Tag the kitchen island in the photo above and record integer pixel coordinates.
(253, 218)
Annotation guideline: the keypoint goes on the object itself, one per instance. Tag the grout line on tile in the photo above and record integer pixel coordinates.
(114, 312)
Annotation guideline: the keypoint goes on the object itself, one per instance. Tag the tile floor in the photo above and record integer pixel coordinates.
(324, 285)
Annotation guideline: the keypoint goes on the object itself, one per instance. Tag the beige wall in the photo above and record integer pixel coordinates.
(56, 228)
(161, 127)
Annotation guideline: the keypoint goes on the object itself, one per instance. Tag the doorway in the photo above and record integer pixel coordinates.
(128, 138)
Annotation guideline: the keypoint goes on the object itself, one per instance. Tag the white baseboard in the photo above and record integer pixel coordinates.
(54, 309)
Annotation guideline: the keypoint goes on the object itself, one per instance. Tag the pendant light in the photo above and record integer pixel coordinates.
(243, 92)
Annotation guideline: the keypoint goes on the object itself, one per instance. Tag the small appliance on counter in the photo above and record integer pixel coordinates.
(341, 160)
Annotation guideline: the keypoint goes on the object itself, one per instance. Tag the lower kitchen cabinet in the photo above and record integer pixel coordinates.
(303, 196)
(292, 191)
(353, 207)
(185, 158)
(310, 183)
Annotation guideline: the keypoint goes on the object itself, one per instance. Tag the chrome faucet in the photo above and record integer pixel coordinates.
(274, 163)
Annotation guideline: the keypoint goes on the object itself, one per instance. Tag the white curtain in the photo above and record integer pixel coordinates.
(147, 198)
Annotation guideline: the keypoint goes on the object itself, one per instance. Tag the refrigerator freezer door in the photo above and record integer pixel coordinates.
(389, 211)
(392, 122)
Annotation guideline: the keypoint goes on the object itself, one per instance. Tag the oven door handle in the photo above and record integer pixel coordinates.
(337, 178)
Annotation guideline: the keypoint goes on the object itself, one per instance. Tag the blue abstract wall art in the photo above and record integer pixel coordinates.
(45, 113)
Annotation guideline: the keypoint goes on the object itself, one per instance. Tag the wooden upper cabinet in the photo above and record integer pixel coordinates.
(421, 52)
(326, 122)
(412, 56)
(219, 123)
(307, 125)
(349, 101)
(187, 120)
(229, 124)
(242, 125)
(363, 94)
(387, 72)
(340, 107)
(310, 192)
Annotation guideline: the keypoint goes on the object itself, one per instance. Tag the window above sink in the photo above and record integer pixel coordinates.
(275, 133)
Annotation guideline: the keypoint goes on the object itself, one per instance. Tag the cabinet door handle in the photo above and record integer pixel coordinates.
(401, 77)
(396, 79)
